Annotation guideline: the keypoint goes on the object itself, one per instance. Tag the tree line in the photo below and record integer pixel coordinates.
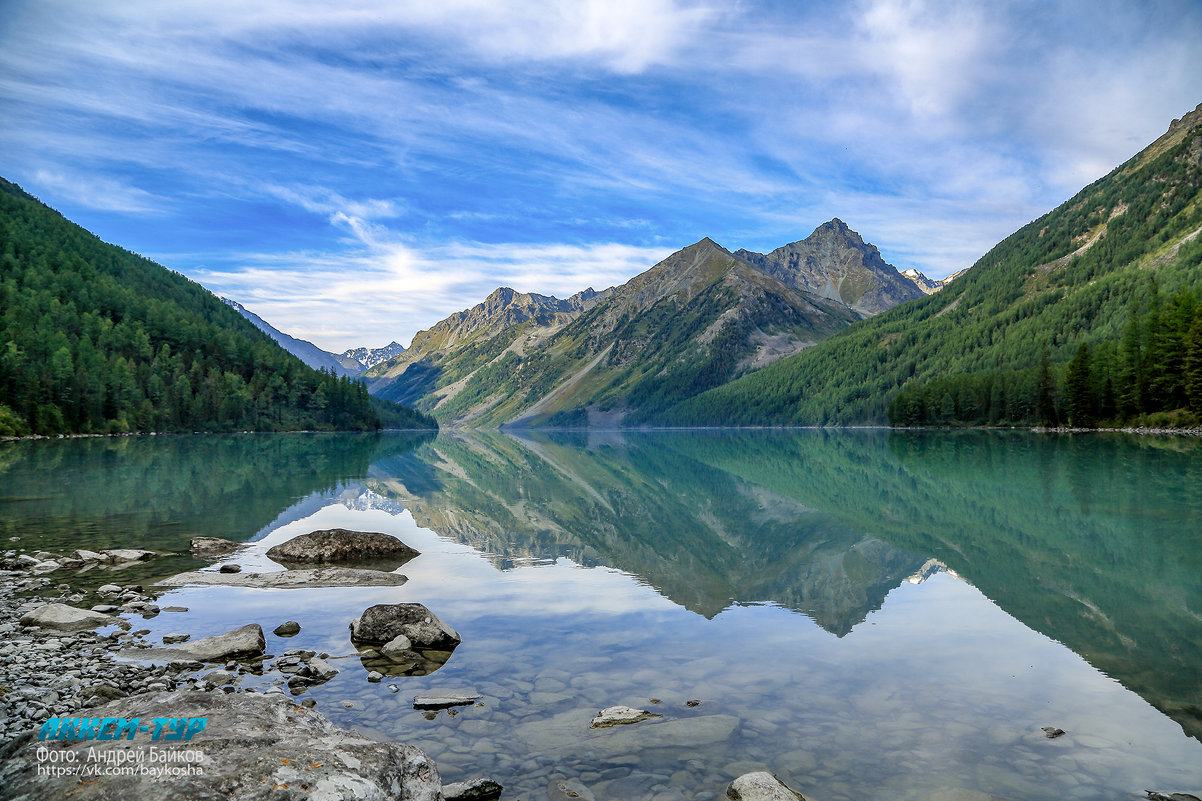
(1151, 375)
(95, 339)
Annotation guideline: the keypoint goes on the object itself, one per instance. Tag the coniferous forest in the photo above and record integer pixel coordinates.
(95, 339)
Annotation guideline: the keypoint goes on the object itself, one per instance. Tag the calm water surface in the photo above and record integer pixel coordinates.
(867, 614)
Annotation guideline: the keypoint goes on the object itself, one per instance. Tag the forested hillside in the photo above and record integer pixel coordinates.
(95, 339)
(1088, 314)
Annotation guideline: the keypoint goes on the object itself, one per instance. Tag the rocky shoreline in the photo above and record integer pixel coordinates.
(65, 667)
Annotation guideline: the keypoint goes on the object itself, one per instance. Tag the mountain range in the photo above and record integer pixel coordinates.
(351, 362)
(698, 319)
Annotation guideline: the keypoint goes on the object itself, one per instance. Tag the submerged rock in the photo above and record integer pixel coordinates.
(317, 577)
(760, 786)
(341, 545)
(255, 747)
(128, 555)
(210, 546)
(383, 623)
(620, 716)
(67, 618)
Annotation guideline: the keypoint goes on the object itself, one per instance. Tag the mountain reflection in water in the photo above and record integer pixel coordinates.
(1093, 540)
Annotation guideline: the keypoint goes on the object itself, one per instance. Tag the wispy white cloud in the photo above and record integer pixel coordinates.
(425, 153)
(387, 289)
(100, 193)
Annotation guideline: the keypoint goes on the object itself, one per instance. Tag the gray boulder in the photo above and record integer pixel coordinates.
(383, 623)
(252, 747)
(760, 786)
(287, 629)
(341, 545)
(242, 642)
(67, 618)
(211, 546)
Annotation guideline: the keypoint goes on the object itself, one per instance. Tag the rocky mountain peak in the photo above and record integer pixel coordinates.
(835, 262)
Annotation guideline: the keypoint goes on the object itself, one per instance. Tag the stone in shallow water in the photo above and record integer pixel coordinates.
(244, 641)
(287, 629)
(172, 639)
(620, 716)
(441, 699)
(760, 786)
(230, 568)
(341, 545)
(205, 546)
(128, 554)
(383, 623)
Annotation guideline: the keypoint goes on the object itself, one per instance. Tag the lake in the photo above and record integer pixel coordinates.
(868, 614)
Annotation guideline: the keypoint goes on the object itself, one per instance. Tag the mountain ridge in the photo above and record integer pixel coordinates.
(694, 320)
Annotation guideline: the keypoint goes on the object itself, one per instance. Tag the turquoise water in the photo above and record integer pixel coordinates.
(867, 614)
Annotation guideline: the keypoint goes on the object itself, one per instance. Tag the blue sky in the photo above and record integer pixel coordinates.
(355, 171)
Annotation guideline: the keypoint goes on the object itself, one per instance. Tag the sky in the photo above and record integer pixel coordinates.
(354, 171)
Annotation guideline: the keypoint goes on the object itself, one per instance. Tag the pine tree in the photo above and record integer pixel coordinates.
(1080, 397)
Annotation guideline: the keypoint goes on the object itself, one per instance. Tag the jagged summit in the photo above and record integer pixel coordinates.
(835, 262)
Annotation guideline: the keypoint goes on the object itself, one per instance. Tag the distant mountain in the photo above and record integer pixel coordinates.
(1088, 313)
(929, 286)
(835, 263)
(370, 357)
(694, 321)
(95, 339)
(302, 349)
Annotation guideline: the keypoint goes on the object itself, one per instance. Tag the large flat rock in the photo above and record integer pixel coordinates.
(242, 642)
(316, 577)
(67, 618)
(252, 748)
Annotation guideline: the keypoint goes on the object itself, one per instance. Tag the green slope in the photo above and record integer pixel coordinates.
(1097, 270)
(95, 339)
